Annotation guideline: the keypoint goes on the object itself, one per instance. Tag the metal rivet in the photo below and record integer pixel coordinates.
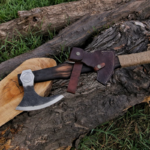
(78, 53)
(98, 66)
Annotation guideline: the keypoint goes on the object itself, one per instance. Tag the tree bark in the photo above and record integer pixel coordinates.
(93, 104)
(78, 33)
(46, 19)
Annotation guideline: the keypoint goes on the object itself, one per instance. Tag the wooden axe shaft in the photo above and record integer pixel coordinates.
(62, 71)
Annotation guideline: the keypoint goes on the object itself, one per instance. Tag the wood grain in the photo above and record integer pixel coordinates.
(12, 94)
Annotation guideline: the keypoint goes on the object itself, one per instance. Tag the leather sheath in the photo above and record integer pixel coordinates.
(72, 86)
(101, 61)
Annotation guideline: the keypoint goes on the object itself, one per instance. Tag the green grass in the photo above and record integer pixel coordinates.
(22, 44)
(63, 55)
(129, 132)
(17, 46)
(9, 8)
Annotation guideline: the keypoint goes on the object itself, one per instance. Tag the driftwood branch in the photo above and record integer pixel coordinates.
(93, 104)
(77, 33)
(45, 19)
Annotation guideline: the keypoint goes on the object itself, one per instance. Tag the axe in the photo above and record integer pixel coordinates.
(102, 62)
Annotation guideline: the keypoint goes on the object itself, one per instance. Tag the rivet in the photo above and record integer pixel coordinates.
(98, 66)
(78, 53)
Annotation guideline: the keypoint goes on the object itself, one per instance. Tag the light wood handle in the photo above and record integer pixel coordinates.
(134, 59)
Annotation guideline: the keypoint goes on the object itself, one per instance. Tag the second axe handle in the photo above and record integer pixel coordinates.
(134, 59)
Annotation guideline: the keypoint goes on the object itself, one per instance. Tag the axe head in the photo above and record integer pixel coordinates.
(31, 100)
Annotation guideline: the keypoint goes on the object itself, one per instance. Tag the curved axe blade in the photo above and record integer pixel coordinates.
(31, 100)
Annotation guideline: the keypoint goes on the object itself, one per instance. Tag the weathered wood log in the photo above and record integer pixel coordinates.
(77, 33)
(12, 94)
(65, 122)
(46, 19)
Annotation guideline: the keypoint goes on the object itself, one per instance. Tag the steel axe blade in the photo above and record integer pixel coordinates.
(31, 100)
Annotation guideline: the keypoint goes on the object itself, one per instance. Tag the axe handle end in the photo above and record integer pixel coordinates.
(134, 59)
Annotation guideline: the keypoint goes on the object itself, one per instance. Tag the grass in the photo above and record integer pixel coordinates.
(130, 131)
(9, 8)
(23, 44)
(63, 55)
(8, 11)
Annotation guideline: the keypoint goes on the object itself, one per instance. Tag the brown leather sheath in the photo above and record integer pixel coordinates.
(101, 61)
(72, 86)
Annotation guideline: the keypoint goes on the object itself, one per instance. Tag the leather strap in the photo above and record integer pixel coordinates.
(72, 86)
